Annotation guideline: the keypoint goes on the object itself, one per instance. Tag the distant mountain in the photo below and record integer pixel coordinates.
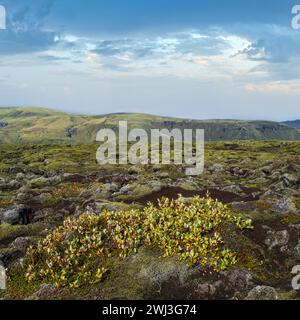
(293, 124)
(39, 125)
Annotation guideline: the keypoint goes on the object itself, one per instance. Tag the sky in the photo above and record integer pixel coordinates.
(184, 58)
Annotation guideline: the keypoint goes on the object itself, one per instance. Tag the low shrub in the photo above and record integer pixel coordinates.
(76, 253)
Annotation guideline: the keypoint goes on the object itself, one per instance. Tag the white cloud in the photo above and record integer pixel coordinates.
(283, 87)
(197, 74)
(93, 58)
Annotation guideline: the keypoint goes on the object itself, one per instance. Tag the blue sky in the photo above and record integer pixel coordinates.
(185, 58)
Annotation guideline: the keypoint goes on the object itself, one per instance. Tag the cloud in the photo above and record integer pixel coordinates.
(93, 58)
(207, 58)
(168, 51)
(201, 61)
(25, 29)
(283, 87)
(181, 42)
(270, 43)
(49, 58)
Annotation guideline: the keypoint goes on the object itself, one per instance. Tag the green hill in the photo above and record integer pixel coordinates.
(37, 125)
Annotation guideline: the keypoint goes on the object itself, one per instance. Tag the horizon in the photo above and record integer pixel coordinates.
(196, 60)
(146, 114)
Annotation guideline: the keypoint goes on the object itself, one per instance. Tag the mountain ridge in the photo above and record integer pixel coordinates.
(293, 123)
(41, 125)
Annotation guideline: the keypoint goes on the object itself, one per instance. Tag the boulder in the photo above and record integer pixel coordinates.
(3, 124)
(72, 177)
(155, 186)
(155, 270)
(240, 279)
(21, 244)
(209, 290)
(9, 216)
(20, 176)
(250, 206)
(9, 256)
(296, 251)
(2, 183)
(14, 184)
(233, 188)
(237, 172)
(45, 291)
(277, 239)
(289, 180)
(262, 293)
(42, 199)
(133, 170)
(109, 206)
(42, 182)
(42, 214)
(216, 168)
(284, 205)
(126, 189)
(108, 188)
(267, 170)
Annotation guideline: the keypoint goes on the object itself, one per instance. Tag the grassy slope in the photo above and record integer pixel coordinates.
(44, 125)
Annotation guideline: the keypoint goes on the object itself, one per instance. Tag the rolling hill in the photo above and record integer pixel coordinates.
(38, 125)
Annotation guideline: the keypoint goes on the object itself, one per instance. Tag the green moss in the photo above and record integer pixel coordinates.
(136, 191)
(248, 253)
(6, 201)
(260, 216)
(290, 295)
(297, 203)
(122, 281)
(291, 218)
(12, 232)
(18, 288)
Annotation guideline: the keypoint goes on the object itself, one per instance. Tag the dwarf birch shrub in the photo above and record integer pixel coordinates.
(193, 232)
(76, 253)
(68, 256)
